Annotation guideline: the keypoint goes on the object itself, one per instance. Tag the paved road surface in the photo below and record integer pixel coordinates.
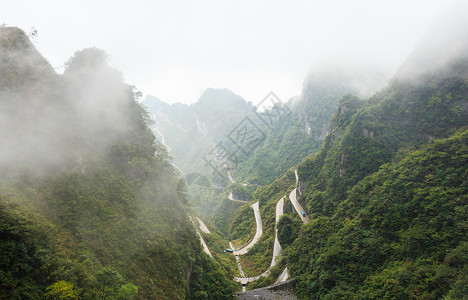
(203, 226)
(258, 233)
(163, 140)
(284, 291)
(231, 197)
(276, 245)
(205, 247)
(283, 276)
(230, 177)
(276, 248)
(298, 207)
(239, 265)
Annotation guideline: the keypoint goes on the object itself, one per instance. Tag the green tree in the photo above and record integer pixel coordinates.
(109, 282)
(61, 290)
(287, 230)
(127, 291)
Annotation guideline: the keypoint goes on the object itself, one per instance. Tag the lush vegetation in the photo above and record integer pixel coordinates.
(301, 131)
(87, 199)
(89, 207)
(401, 232)
(388, 196)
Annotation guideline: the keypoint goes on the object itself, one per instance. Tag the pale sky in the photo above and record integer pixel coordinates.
(176, 49)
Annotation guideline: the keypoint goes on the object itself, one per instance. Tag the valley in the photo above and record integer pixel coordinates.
(356, 188)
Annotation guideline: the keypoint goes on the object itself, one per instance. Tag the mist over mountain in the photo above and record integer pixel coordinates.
(444, 44)
(372, 190)
(354, 189)
(192, 131)
(88, 199)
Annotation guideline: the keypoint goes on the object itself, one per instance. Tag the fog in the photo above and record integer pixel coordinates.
(176, 49)
(49, 122)
(445, 40)
(41, 109)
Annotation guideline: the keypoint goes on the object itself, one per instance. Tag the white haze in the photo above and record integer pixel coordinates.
(176, 49)
(49, 122)
(445, 39)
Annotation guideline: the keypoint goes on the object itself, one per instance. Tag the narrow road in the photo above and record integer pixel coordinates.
(283, 276)
(239, 265)
(258, 233)
(230, 176)
(203, 226)
(231, 197)
(233, 180)
(163, 140)
(205, 247)
(297, 206)
(276, 248)
(276, 245)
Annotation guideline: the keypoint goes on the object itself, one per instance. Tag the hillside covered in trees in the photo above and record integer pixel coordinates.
(386, 193)
(356, 189)
(87, 198)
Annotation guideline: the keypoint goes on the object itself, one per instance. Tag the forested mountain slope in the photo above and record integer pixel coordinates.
(193, 131)
(388, 193)
(399, 233)
(87, 199)
(303, 130)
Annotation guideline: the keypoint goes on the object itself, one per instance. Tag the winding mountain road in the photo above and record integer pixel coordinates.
(276, 245)
(258, 232)
(276, 248)
(205, 247)
(297, 206)
(231, 197)
(203, 226)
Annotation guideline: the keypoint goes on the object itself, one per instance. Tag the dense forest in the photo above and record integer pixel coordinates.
(386, 194)
(88, 205)
(355, 189)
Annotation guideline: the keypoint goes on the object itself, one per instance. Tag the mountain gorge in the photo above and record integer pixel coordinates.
(355, 189)
(383, 181)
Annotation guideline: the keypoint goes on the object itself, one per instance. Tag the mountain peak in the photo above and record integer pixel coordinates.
(20, 62)
(13, 38)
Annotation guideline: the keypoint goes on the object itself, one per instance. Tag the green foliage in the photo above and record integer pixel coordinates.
(299, 133)
(109, 282)
(25, 252)
(258, 259)
(243, 192)
(127, 291)
(61, 290)
(208, 281)
(397, 235)
(115, 228)
(387, 196)
(287, 230)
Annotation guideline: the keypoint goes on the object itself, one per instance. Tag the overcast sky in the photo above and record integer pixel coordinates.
(176, 49)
